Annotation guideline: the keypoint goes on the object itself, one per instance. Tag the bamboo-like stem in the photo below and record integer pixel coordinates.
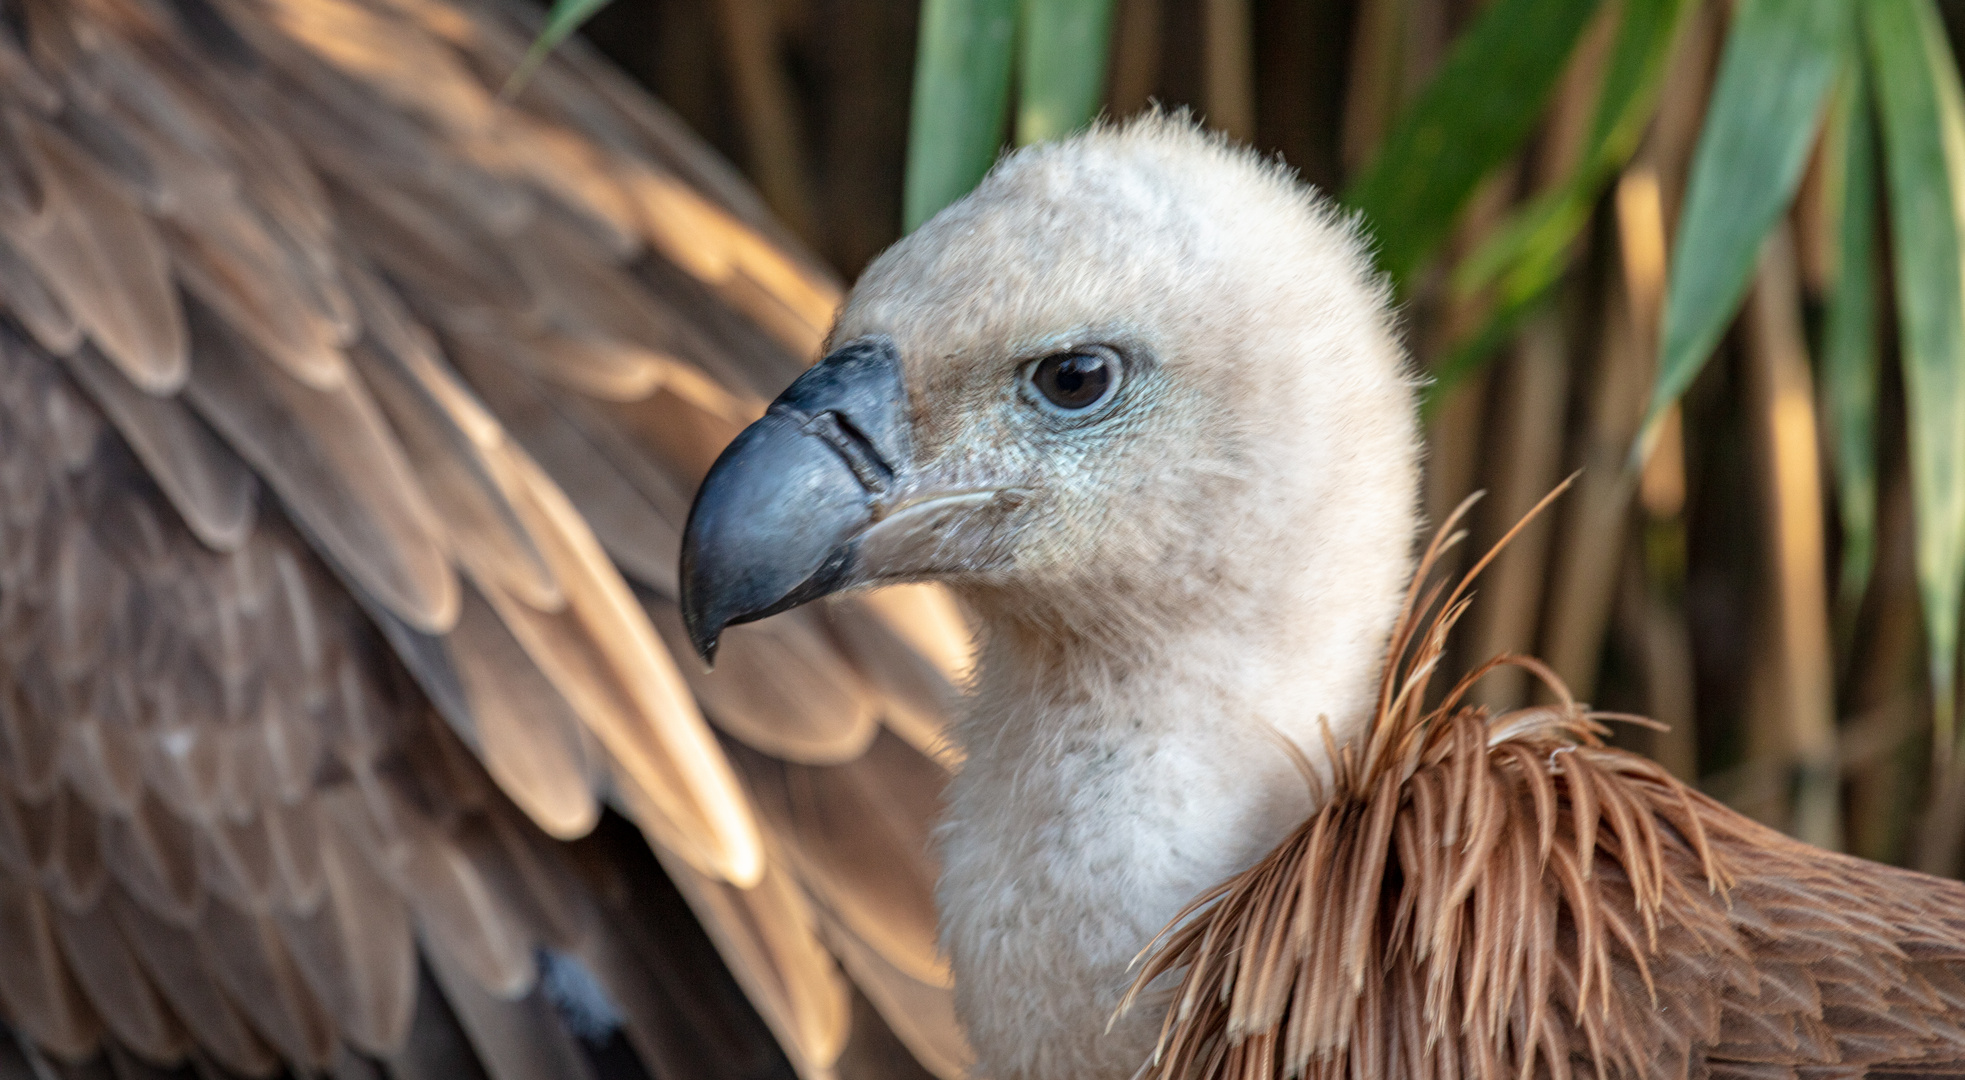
(1798, 723)
(765, 103)
(1586, 569)
(1372, 97)
(1529, 401)
(1656, 636)
(1816, 217)
(1454, 437)
(1425, 34)
(1573, 106)
(1453, 448)
(1888, 666)
(1594, 528)
(1534, 390)
(1641, 245)
(1228, 67)
(1656, 623)
(1682, 103)
(1136, 47)
(1661, 485)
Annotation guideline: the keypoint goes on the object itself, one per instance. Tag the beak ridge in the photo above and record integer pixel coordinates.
(777, 520)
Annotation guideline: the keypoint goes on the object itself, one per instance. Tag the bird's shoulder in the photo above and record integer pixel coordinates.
(1508, 895)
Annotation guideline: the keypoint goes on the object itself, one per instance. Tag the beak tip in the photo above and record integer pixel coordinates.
(706, 648)
(703, 630)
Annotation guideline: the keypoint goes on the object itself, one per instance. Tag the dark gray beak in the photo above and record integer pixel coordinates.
(779, 518)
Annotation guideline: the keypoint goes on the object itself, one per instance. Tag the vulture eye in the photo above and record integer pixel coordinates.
(1076, 381)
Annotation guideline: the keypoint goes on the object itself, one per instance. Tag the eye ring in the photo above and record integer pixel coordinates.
(1076, 383)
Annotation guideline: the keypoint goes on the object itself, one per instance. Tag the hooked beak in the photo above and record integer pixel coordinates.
(821, 495)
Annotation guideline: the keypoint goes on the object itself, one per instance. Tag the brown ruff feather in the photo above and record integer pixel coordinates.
(1504, 896)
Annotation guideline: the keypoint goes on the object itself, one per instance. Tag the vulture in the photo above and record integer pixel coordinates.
(1139, 402)
(349, 417)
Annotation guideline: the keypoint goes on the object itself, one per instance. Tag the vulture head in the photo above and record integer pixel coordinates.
(1134, 382)
(1138, 401)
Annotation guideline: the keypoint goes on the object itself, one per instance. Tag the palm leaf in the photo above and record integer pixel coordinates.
(1472, 116)
(1061, 71)
(1849, 336)
(1781, 58)
(1528, 254)
(961, 89)
(1924, 153)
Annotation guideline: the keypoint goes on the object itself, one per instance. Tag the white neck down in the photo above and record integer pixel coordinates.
(1102, 794)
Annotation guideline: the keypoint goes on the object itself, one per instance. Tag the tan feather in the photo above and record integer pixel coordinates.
(573, 169)
(204, 480)
(299, 850)
(205, 748)
(100, 255)
(355, 949)
(235, 863)
(230, 260)
(583, 292)
(103, 764)
(857, 835)
(464, 915)
(530, 738)
(151, 855)
(921, 1014)
(171, 957)
(74, 870)
(604, 657)
(429, 252)
(32, 730)
(520, 1039)
(337, 468)
(32, 302)
(636, 510)
(680, 431)
(596, 365)
(107, 972)
(23, 81)
(754, 275)
(781, 687)
(448, 451)
(35, 986)
(411, 70)
(84, 591)
(913, 645)
(647, 948)
(13, 840)
(541, 876)
(765, 934)
(261, 980)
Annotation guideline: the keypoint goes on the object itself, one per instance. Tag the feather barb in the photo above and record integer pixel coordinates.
(1460, 904)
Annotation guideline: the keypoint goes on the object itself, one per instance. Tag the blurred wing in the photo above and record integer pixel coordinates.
(348, 421)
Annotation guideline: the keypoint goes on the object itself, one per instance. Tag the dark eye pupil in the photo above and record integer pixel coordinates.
(1073, 380)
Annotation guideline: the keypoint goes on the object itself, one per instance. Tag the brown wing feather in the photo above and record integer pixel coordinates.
(1504, 896)
(478, 351)
(857, 836)
(100, 255)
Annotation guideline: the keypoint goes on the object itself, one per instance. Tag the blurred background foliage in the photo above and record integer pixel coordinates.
(1707, 253)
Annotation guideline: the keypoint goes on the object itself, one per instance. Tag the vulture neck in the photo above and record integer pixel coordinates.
(1112, 778)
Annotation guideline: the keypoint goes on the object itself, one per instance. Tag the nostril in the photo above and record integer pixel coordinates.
(850, 443)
